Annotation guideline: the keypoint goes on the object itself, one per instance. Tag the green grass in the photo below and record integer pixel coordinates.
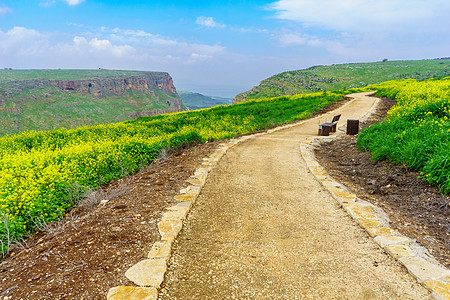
(40, 172)
(416, 131)
(71, 109)
(28, 102)
(11, 75)
(345, 76)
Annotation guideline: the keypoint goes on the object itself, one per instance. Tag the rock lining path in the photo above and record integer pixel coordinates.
(264, 228)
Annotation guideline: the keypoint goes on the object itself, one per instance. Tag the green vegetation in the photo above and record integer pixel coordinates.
(345, 76)
(416, 131)
(198, 101)
(42, 174)
(11, 75)
(35, 100)
(70, 109)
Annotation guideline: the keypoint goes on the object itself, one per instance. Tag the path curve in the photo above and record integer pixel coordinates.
(264, 228)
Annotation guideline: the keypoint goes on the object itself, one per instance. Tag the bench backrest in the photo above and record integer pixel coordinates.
(336, 118)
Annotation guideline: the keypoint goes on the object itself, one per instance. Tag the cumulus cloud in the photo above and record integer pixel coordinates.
(95, 46)
(208, 22)
(5, 10)
(21, 40)
(166, 47)
(108, 47)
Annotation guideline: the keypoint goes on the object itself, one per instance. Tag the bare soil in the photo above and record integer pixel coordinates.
(415, 208)
(264, 228)
(89, 251)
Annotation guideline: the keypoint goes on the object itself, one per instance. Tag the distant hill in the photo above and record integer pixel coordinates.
(344, 76)
(48, 99)
(197, 101)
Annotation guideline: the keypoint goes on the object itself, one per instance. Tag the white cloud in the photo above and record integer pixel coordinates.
(292, 39)
(126, 46)
(47, 3)
(21, 40)
(211, 64)
(167, 47)
(365, 15)
(73, 2)
(5, 10)
(364, 30)
(130, 32)
(95, 46)
(208, 22)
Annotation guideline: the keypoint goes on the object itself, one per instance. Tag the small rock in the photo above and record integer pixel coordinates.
(149, 272)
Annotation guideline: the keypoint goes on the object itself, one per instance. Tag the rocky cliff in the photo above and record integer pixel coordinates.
(147, 82)
(57, 98)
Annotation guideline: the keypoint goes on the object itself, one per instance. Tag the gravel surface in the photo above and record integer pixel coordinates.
(88, 252)
(264, 228)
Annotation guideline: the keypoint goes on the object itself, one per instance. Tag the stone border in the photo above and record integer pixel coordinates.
(417, 260)
(149, 273)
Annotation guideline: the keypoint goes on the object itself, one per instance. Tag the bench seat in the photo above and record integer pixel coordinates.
(326, 128)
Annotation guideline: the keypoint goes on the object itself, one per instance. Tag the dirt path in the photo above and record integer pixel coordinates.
(264, 228)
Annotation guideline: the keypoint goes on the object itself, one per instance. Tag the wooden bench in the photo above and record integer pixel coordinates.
(326, 128)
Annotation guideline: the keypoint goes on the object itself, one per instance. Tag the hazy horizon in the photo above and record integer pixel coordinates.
(214, 47)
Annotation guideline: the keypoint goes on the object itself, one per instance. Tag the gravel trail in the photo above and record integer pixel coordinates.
(264, 228)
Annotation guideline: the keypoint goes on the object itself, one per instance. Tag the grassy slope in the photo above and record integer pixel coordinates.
(198, 101)
(50, 108)
(344, 76)
(416, 131)
(42, 173)
(8, 75)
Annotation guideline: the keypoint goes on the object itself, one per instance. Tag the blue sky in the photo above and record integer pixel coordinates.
(222, 47)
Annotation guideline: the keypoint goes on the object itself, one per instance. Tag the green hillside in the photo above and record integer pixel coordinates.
(44, 173)
(345, 76)
(198, 101)
(51, 99)
(11, 75)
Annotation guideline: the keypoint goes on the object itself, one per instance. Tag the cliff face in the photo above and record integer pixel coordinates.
(146, 83)
(47, 103)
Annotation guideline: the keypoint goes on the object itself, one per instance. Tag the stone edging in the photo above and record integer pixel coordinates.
(148, 274)
(417, 260)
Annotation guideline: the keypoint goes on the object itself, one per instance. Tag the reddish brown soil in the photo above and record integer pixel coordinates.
(415, 208)
(84, 255)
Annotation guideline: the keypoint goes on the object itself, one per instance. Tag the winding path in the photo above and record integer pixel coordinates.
(264, 228)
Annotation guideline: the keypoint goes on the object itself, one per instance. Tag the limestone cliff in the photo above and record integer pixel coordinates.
(58, 98)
